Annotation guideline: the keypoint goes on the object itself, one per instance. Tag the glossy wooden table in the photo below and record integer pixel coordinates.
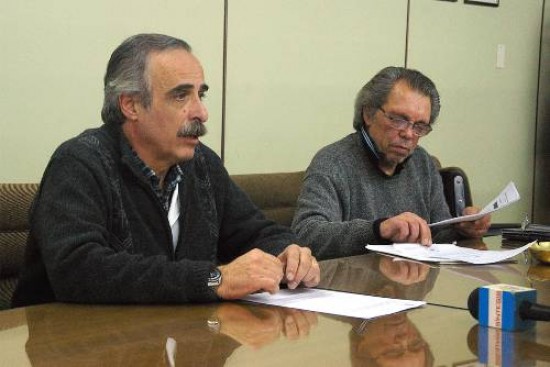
(238, 334)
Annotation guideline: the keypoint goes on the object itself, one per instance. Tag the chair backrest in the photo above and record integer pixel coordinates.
(457, 189)
(15, 202)
(274, 193)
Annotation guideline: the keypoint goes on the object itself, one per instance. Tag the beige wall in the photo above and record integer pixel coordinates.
(541, 195)
(293, 69)
(487, 122)
(54, 54)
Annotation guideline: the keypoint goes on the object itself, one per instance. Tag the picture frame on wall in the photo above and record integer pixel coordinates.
(494, 3)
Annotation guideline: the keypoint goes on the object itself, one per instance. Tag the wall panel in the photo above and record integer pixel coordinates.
(54, 55)
(541, 196)
(294, 68)
(487, 122)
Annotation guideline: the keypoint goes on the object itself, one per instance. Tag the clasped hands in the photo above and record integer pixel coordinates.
(410, 228)
(259, 271)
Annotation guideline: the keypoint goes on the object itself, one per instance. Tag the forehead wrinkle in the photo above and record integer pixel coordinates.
(406, 99)
(166, 68)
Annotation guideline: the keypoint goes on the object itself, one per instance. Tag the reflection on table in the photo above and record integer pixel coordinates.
(378, 275)
(206, 335)
(496, 347)
(392, 340)
(242, 334)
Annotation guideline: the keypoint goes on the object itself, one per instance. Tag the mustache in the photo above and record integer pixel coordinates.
(195, 128)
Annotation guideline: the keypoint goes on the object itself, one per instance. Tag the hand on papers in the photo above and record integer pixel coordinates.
(475, 229)
(300, 267)
(260, 271)
(264, 325)
(251, 272)
(406, 227)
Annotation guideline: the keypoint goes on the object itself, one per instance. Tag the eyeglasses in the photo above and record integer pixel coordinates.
(419, 128)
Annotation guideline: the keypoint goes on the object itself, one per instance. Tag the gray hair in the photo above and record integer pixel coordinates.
(375, 93)
(126, 71)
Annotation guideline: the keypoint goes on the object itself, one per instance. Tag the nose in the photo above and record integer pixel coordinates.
(408, 132)
(198, 110)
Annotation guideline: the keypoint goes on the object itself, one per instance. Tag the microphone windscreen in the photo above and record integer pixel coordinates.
(473, 303)
(498, 306)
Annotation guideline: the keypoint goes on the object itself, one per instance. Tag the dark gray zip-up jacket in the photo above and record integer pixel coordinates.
(99, 234)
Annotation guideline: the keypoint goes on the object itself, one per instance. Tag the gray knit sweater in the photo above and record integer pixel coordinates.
(344, 193)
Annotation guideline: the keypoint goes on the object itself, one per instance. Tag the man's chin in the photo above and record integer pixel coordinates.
(393, 161)
(186, 154)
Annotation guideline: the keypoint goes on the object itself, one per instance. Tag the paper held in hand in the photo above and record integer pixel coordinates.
(507, 196)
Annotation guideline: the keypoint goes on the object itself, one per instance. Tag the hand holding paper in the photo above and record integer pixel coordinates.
(507, 196)
(474, 229)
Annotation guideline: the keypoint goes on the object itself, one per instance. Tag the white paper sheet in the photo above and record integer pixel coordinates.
(507, 196)
(447, 253)
(333, 302)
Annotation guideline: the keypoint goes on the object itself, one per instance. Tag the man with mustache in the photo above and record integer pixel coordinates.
(377, 185)
(139, 211)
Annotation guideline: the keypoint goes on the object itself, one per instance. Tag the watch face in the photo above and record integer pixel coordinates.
(214, 278)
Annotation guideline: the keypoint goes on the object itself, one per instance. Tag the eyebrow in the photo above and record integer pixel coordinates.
(187, 88)
(408, 119)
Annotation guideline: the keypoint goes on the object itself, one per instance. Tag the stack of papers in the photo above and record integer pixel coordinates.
(447, 253)
(333, 302)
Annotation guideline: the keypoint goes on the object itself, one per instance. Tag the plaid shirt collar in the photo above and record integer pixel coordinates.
(172, 179)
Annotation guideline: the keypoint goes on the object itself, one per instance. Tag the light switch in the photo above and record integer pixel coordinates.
(501, 56)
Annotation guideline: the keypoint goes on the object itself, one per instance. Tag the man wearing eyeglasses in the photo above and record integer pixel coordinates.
(377, 185)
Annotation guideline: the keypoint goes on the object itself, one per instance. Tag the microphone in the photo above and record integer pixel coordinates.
(506, 307)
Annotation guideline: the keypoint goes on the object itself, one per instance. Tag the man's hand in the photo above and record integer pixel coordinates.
(249, 273)
(300, 267)
(406, 227)
(475, 229)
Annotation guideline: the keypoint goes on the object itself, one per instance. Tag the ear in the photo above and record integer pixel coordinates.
(366, 119)
(128, 106)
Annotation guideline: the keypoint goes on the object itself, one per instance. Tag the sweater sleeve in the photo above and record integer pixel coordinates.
(319, 219)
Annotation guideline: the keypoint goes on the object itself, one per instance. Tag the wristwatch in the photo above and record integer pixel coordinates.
(214, 278)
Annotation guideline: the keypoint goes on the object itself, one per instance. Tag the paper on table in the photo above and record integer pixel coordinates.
(445, 253)
(337, 303)
(507, 196)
